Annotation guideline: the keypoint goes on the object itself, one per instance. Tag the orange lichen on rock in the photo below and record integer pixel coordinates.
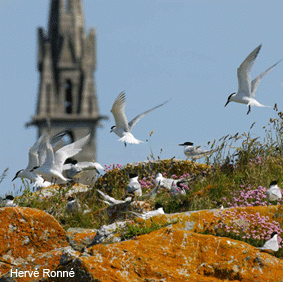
(170, 254)
(26, 233)
(79, 238)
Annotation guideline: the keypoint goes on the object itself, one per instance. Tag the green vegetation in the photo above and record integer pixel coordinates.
(131, 230)
(237, 174)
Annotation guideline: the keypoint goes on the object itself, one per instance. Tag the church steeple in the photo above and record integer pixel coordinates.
(66, 63)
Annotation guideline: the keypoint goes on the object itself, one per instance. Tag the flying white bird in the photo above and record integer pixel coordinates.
(112, 201)
(122, 128)
(37, 156)
(33, 160)
(246, 88)
(72, 167)
(52, 168)
(274, 192)
(195, 153)
(9, 201)
(158, 210)
(271, 245)
(134, 186)
(73, 205)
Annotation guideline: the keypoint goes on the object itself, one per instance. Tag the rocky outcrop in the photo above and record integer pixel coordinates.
(120, 212)
(30, 240)
(34, 241)
(79, 238)
(171, 254)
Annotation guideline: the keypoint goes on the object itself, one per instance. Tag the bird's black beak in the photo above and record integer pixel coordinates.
(14, 178)
(181, 144)
(227, 103)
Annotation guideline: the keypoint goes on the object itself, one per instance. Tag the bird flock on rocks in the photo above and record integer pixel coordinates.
(47, 164)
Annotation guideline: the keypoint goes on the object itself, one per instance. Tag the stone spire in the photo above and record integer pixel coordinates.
(66, 63)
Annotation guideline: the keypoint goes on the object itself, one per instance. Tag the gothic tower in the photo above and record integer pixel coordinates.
(66, 63)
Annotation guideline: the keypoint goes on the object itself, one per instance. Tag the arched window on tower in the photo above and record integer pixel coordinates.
(68, 103)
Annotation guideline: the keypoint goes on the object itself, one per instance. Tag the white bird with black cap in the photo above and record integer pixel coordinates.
(274, 192)
(246, 87)
(168, 182)
(134, 186)
(271, 245)
(9, 201)
(73, 167)
(52, 168)
(122, 128)
(195, 153)
(73, 205)
(37, 156)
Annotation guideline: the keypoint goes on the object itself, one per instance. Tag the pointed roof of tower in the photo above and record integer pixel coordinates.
(66, 19)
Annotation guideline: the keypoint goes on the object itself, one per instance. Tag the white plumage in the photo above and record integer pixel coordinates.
(271, 244)
(112, 201)
(158, 210)
(134, 186)
(195, 153)
(76, 168)
(122, 128)
(274, 192)
(52, 168)
(246, 87)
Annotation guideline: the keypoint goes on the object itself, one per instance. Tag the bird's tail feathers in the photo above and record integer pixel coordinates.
(129, 138)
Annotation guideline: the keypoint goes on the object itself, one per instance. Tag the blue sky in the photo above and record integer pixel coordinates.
(153, 50)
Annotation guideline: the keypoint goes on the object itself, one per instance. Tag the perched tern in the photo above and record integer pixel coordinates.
(52, 168)
(219, 205)
(158, 210)
(271, 245)
(9, 201)
(122, 128)
(195, 153)
(164, 182)
(73, 205)
(167, 182)
(134, 186)
(246, 88)
(274, 192)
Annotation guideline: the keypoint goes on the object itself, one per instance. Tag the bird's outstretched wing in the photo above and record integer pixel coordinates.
(34, 152)
(69, 151)
(118, 111)
(257, 80)
(244, 73)
(137, 118)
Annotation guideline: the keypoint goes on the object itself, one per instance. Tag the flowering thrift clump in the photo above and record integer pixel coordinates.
(251, 228)
(249, 197)
(113, 166)
(147, 183)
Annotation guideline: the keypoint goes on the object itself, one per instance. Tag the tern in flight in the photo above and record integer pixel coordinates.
(246, 87)
(122, 128)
